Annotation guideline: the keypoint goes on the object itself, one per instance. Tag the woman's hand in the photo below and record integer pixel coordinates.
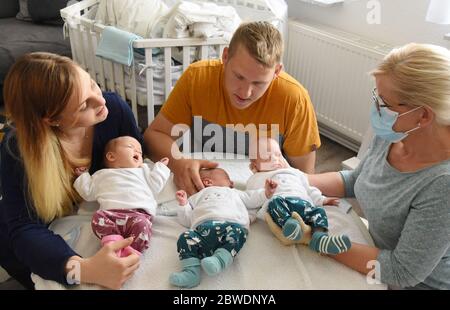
(105, 268)
(187, 176)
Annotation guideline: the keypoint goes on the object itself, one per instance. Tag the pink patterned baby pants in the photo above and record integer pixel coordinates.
(135, 223)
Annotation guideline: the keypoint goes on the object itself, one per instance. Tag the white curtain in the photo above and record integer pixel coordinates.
(439, 12)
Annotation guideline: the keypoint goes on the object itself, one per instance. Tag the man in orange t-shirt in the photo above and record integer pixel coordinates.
(229, 103)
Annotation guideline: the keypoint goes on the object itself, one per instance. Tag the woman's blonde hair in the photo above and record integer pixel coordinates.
(36, 90)
(421, 77)
(261, 39)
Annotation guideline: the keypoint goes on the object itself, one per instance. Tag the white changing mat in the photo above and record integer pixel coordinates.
(263, 263)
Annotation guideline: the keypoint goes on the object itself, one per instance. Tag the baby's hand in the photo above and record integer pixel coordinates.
(181, 196)
(80, 170)
(270, 188)
(331, 201)
(164, 161)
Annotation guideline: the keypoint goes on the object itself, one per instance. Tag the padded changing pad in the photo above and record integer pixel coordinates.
(263, 262)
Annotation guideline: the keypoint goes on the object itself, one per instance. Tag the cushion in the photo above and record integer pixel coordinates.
(18, 37)
(23, 13)
(46, 10)
(9, 8)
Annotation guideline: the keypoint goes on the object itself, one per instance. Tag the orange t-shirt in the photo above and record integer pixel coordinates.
(200, 94)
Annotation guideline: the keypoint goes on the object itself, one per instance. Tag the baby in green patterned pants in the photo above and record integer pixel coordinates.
(219, 222)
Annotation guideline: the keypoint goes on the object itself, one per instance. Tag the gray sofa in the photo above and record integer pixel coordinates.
(36, 29)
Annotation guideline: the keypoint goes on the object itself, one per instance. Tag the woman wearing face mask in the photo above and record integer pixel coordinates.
(403, 182)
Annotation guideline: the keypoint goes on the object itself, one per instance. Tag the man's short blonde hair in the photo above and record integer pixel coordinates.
(261, 39)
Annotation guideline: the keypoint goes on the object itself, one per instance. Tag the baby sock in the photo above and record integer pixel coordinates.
(130, 250)
(189, 276)
(323, 243)
(216, 263)
(292, 229)
(122, 252)
(111, 238)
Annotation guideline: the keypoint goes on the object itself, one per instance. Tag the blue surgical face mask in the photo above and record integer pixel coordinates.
(383, 121)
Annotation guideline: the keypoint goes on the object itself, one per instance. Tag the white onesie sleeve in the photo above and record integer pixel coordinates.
(85, 187)
(157, 177)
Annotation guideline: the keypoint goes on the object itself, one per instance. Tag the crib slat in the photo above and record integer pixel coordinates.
(204, 52)
(112, 86)
(101, 66)
(167, 71)
(121, 78)
(82, 59)
(73, 43)
(186, 57)
(149, 77)
(90, 51)
(133, 93)
(221, 48)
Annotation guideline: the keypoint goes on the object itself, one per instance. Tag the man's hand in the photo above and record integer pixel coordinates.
(331, 201)
(164, 161)
(181, 196)
(186, 174)
(270, 186)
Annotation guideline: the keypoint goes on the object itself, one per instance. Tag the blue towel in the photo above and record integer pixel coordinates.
(117, 45)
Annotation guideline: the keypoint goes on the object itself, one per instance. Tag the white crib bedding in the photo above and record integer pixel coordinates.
(158, 75)
(263, 263)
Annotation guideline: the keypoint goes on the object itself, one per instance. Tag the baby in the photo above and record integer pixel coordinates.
(219, 222)
(126, 192)
(294, 199)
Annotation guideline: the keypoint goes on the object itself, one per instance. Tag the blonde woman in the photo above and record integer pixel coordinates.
(403, 183)
(61, 122)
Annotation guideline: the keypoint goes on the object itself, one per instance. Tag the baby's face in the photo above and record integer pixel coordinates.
(127, 154)
(268, 157)
(216, 177)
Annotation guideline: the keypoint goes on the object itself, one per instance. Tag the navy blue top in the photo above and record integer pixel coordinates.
(25, 239)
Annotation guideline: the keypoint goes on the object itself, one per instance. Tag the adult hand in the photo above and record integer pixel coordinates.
(186, 174)
(105, 268)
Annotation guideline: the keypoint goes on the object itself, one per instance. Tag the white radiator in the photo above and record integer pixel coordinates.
(334, 67)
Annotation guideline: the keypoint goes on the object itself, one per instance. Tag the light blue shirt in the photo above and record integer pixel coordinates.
(409, 218)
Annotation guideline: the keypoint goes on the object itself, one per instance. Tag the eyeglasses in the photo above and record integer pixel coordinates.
(380, 103)
(377, 99)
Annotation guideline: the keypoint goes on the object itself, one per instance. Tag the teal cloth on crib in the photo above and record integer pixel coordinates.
(117, 45)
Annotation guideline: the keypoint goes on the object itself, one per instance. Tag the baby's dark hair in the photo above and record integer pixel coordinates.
(206, 172)
(111, 145)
